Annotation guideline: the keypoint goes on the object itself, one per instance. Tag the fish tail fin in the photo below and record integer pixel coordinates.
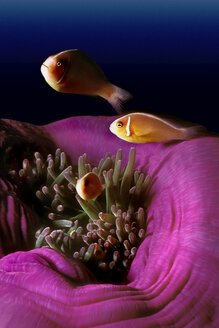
(196, 131)
(118, 97)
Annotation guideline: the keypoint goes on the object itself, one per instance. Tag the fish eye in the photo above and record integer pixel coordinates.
(119, 124)
(58, 63)
(86, 182)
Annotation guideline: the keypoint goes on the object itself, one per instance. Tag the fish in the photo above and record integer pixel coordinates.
(145, 128)
(73, 71)
(89, 186)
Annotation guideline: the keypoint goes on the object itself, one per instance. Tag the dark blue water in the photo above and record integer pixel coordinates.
(166, 53)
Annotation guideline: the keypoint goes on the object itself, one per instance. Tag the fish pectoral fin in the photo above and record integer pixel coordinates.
(139, 133)
(147, 137)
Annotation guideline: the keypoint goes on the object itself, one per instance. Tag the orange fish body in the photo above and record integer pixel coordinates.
(144, 128)
(89, 186)
(73, 71)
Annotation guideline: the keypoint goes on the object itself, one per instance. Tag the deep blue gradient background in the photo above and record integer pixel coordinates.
(166, 53)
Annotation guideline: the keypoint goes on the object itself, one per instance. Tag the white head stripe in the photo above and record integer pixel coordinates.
(128, 127)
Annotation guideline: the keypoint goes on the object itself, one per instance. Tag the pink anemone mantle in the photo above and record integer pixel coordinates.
(173, 280)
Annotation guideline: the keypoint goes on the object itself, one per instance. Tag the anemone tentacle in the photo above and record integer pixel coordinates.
(105, 232)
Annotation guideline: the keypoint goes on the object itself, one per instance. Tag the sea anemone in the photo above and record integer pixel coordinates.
(173, 277)
(105, 232)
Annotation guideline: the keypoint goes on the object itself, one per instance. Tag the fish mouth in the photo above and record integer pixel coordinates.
(111, 128)
(44, 70)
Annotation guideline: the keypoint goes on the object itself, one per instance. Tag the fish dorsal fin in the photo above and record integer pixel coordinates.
(128, 132)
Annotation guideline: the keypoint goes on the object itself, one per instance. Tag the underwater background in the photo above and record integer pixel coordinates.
(166, 53)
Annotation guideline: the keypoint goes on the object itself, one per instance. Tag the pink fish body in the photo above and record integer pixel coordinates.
(73, 71)
(144, 128)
